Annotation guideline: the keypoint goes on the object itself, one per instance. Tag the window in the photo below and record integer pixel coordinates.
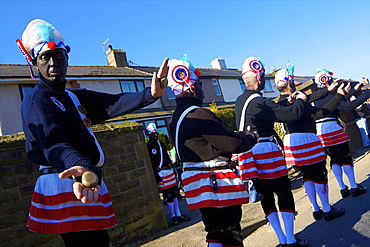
(25, 88)
(132, 86)
(268, 87)
(242, 85)
(170, 94)
(216, 86)
(161, 125)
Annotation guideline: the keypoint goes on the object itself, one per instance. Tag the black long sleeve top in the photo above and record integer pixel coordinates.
(262, 113)
(202, 136)
(55, 133)
(307, 122)
(345, 105)
(155, 157)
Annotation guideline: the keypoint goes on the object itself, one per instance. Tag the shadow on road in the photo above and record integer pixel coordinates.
(193, 214)
(350, 224)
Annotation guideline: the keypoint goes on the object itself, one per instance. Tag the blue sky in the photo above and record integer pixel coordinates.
(310, 34)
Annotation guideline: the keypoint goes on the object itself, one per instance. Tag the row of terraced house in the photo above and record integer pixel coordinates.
(221, 85)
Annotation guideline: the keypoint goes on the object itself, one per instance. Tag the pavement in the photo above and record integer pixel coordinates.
(192, 233)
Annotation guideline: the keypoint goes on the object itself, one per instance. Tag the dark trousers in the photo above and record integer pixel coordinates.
(95, 238)
(339, 154)
(281, 187)
(315, 172)
(223, 225)
(170, 194)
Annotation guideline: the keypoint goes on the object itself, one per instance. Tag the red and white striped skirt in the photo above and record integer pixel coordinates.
(55, 209)
(303, 149)
(168, 178)
(265, 161)
(200, 193)
(331, 133)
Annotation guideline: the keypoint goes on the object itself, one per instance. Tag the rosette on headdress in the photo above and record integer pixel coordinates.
(253, 64)
(151, 128)
(181, 74)
(39, 36)
(323, 78)
(281, 77)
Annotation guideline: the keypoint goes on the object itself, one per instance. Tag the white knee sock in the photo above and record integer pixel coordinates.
(177, 208)
(350, 173)
(171, 207)
(311, 194)
(322, 191)
(338, 174)
(288, 219)
(273, 218)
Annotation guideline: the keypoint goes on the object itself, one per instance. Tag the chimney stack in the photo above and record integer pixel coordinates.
(218, 63)
(116, 58)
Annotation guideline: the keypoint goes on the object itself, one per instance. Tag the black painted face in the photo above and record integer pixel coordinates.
(153, 136)
(53, 65)
(292, 85)
(262, 81)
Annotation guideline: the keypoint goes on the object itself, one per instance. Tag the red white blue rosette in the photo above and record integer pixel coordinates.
(180, 78)
(323, 78)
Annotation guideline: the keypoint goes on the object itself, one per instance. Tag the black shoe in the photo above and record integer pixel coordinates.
(183, 218)
(334, 213)
(301, 242)
(283, 245)
(358, 191)
(345, 192)
(175, 220)
(318, 214)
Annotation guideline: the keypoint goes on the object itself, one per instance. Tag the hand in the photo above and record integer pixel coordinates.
(86, 195)
(254, 133)
(292, 97)
(159, 80)
(347, 88)
(161, 183)
(301, 96)
(359, 85)
(334, 85)
(240, 133)
(342, 90)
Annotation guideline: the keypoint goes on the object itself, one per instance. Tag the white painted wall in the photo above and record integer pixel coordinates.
(10, 106)
(230, 89)
(105, 86)
(10, 100)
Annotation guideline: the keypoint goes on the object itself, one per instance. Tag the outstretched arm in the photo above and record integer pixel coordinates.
(351, 105)
(159, 80)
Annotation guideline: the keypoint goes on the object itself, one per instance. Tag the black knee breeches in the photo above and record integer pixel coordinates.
(279, 186)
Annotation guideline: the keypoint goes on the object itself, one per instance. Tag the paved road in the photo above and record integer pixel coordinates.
(351, 230)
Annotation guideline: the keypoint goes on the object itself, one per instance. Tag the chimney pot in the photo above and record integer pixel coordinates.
(218, 63)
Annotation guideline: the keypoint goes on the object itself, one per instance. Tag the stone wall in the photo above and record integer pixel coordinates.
(355, 145)
(127, 173)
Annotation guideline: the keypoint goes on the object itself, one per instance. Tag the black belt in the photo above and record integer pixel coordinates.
(301, 131)
(207, 168)
(163, 168)
(267, 141)
(166, 168)
(326, 120)
(48, 171)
